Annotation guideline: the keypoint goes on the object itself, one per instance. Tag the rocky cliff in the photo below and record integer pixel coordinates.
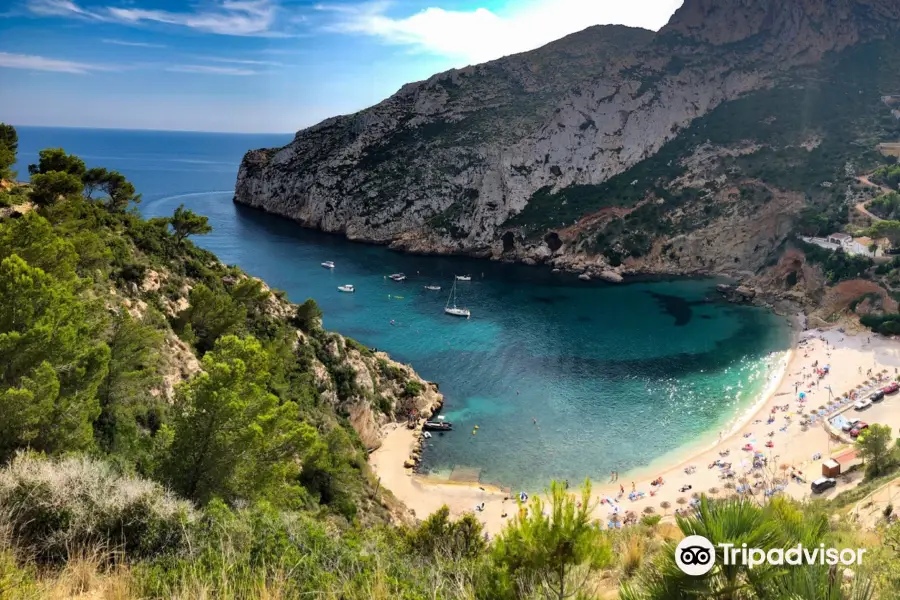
(546, 155)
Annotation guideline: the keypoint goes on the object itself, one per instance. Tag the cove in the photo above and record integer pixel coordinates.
(616, 376)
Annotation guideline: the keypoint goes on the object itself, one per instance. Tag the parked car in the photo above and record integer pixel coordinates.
(858, 428)
(863, 404)
(892, 388)
(851, 424)
(823, 483)
(878, 395)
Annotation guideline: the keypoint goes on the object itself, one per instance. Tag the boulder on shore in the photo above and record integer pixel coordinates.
(610, 276)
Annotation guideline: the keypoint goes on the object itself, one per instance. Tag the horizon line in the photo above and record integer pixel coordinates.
(156, 130)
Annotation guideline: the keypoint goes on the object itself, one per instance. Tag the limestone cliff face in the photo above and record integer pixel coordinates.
(445, 165)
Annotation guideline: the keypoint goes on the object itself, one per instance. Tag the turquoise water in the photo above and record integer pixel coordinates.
(615, 375)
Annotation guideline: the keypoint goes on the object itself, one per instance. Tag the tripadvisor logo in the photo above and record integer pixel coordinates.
(696, 555)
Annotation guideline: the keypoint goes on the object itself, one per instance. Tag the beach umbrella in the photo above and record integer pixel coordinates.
(649, 510)
(713, 491)
(681, 500)
(695, 495)
(665, 505)
(729, 485)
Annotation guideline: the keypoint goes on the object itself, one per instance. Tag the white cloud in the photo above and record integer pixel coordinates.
(210, 70)
(60, 8)
(246, 18)
(134, 44)
(241, 61)
(42, 63)
(225, 17)
(480, 35)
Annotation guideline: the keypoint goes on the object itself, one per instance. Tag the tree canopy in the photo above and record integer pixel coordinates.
(186, 222)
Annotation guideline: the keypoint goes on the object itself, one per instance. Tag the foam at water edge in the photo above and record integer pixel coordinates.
(776, 364)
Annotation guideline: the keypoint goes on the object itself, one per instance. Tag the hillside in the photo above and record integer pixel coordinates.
(542, 156)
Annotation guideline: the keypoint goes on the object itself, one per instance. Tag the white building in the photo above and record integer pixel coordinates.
(844, 241)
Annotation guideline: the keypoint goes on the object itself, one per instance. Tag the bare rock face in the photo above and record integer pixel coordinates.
(445, 165)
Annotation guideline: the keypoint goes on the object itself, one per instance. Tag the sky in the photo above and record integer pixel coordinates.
(261, 66)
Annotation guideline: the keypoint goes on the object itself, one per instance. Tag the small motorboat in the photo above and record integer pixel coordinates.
(464, 278)
(328, 264)
(433, 288)
(398, 277)
(437, 426)
(346, 288)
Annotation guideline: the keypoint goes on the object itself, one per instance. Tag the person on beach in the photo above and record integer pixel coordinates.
(621, 489)
(632, 486)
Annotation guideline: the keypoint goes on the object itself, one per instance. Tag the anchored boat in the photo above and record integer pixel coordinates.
(346, 288)
(455, 310)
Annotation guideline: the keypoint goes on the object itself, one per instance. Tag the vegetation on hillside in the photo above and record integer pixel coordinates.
(246, 482)
(888, 175)
(886, 206)
(837, 265)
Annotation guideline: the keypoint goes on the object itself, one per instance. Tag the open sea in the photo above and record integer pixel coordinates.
(617, 376)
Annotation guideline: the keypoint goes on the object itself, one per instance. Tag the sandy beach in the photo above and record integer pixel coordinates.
(851, 360)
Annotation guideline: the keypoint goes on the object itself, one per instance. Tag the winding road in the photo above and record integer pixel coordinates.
(861, 206)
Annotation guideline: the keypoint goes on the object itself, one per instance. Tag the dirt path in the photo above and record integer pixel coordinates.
(861, 206)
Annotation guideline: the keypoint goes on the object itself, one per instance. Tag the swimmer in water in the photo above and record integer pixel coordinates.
(535, 420)
(392, 321)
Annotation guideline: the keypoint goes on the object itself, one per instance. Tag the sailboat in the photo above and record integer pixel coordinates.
(453, 310)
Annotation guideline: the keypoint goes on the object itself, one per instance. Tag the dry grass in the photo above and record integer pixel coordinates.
(633, 551)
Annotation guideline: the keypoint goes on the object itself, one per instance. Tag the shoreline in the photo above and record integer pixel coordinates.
(680, 457)
(793, 445)
(590, 266)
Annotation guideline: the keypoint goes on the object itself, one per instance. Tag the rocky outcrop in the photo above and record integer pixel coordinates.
(450, 165)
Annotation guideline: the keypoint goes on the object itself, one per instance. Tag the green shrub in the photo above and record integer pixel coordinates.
(888, 324)
(359, 347)
(308, 316)
(413, 388)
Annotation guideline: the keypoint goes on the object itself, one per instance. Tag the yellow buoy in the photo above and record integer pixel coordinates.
(476, 427)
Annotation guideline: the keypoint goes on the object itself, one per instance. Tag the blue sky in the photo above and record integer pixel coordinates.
(259, 65)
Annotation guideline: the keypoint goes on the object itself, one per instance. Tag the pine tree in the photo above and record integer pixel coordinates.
(233, 440)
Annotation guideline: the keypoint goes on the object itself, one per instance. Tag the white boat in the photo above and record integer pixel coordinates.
(433, 288)
(328, 264)
(454, 310)
(398, 276)
(464, 278)
(346, 288)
